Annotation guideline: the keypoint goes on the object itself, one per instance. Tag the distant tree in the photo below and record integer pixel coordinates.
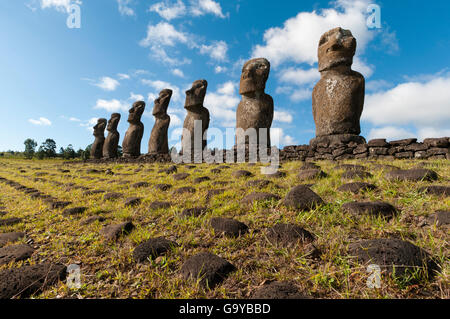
(79, 153)
(41, 153)
(119, 151)
(49, 147)
(30, 147)
(86, 153)
(69, 152)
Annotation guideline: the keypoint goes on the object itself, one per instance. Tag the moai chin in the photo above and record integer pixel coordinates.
(131, 145)
(99, 133)
(338, 98)
(112, 140)
(255, 111)
(158, 143)
(196, 113)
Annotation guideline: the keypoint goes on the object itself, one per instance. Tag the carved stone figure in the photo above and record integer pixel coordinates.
(255, 111)
(131, 145)
(112, 140)
(338, 98)
(196, 113)
(158, 139)
(99, 133)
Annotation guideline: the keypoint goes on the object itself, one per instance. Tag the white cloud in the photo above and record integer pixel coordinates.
(175, 120)
(220, 69)
(390, 133)
(202, 7)
(74, 119)
(42, 121)
(163, 33)
(299, 76)
(169, 10)
(59, 5)
(222, 104)
(377, 85)
(217, 50)
(297, 40)
(135, 97)
(124, 8)
(108, 84)
(123, 76)
(161, 85)
(432, 132)
(111, 105)
(279, 138)
(283, 117)
(178, 72)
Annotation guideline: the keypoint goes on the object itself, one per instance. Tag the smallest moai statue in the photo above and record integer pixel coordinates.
(99, 133)
(159, 143)
(112, 140)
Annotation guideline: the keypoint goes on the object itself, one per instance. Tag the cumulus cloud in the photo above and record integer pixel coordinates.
(390, 133)
(178, 72)
(124, 8)
(202, 7)
(223, 103)
(168, 10)
(283, 117)
(111, 105)
(279, 138)
(42, 121)
(220, 69)
(158, 86)
(106, 83)
(217, 50)
(123, 76)
(60, 5)
(163, 33)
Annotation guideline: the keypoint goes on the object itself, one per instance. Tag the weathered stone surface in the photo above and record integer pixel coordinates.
(440, 218)
(131, 145)
(390, 253)
(302, 198)
(242, 173)
(355, 174)
(194, 212)
(437, 190)
(404, 142)
(437, 142)
(228, 227)
(163, 187)
(74, 211)
(288, 234)
(370, 208)
(378, 150)
(338, 98)
(10, 237)
(196, 113)
(93, 219)
(308, 174)
(185, 190)
(202, 179)
(335, 141)
(350, 167)
(99, 133)
(160, 205)
(378, 143)
(356, 187)
(28, 280)
(170, 170)
(154, 248)
(132, 201)
(277, 174)
(113, 232)
(159, 142)
(249, 199)
(10, 221)
(181, 176)
(93, 192)
(15, 253)
(256, 110)
(412, 175)
(278, 290)
(112, 140)
(309, 165)
(211, 268)
(140, 185)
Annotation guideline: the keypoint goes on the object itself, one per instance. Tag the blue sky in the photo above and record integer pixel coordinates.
(56, 80)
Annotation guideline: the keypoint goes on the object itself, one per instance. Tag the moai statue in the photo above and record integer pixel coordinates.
(99, 133)
(112, 140)
(198, 115)
(131, 145)
(159, 143)
(338, 98)
(255, 111)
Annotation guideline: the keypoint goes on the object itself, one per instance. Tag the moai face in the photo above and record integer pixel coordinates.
(336, 47)
(136, 112)
(99, 129)
(196, 95)
(113, 122)
(254, 75)
(162, 103)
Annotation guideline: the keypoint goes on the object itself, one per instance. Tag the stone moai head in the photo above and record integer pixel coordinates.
(136, 111)
(254, 75)
(336, 47)
(99, 128)
(162, 102)
(113, 122)
(196, 95)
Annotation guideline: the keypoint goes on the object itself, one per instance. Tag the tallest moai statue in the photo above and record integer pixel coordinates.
(338, 98)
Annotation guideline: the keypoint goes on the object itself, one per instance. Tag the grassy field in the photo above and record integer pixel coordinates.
(108, 269)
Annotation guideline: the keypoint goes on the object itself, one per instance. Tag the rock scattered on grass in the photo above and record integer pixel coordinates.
(15, 253)
(228, 227)
(278, 290)
(160, 205)
(356, 187)
(154, 248)
(93, 219)
(241, 173)
(253, 197)
(112, 196)
(194, 212)
(414, 175)
(439, 218)
(308, 174)
(288, 234)
(133, 201)
(140, 185)
(437, 190)
(302, 198)
(10, 237)
(74, 211)
(376, 208)
(260, 183)
(181, 176)
(184, 190)
(352, 174)
(113, 232)
(10, 221)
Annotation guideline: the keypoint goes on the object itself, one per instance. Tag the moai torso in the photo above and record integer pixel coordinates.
(159, 143)
(112, 140)
(131, 145)
(99, 133)
(338, 98)
(256, 108)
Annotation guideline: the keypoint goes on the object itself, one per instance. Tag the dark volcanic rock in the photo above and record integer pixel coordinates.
(278, 290)
(194, 212)
(350, 167)
(260, 183)
(199, 180)
(160, 205)
(169, 170)
(184, 190)
(309, 165)
(10, 237)
(249, 199)
(10, 221)
(93, 192)
(113, 232)
(287, 234)
(370, 208)
(140, 184)
(436, 190)
(302, 198)
(74, 211)
(355, 174)
(277, 174)
(133, 201)
(215, 171)
(310, 174)
(58, 204)
(242, 173)
(210, 268)
(388, 253)
(356, 187)
(181, 176)
(28, 280)
(154, 247)
(228, 227)
(163, 187)
(112, 196)
(93, 219)
(412, 175)
(439, 218)
(15, 253)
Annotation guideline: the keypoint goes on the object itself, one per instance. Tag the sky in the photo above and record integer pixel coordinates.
(56, 81)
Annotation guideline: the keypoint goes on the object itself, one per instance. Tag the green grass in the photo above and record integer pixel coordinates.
(108, 270)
